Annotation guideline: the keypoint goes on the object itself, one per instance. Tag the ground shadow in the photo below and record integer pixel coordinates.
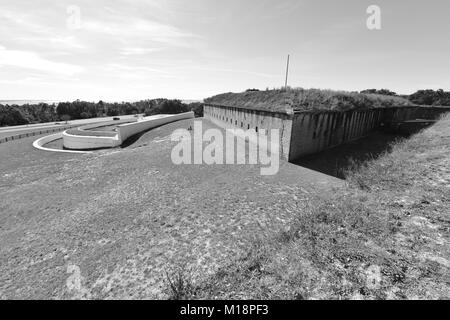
(186, 123)
(131, 140)
(336, 161)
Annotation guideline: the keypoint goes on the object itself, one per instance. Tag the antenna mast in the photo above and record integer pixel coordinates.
(287, 73)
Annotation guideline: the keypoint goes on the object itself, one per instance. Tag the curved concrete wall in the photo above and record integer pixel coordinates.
(40, 143)
(75, 142)
(128, 130)
(124, 131)
(106, 123)
(98, 139)
(47, 139)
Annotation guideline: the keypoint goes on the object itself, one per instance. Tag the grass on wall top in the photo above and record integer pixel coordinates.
(306, 99)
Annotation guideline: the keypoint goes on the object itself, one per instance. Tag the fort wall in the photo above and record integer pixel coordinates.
(307, 132)
(232, 118)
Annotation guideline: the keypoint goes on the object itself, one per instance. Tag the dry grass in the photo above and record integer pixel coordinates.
(385, 236)
(307, 99)
(179, 283)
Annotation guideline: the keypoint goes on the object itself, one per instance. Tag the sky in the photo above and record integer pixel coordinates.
(118, 50)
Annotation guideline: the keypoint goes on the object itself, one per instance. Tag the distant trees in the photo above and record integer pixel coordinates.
(197, 107)
(82, 110)
(85, 115)
(65, 117)
(385, 92)
(168, 107)
(431, 97)
(422, 97)
(112, 111)
(11, 115)
(79, 109)
(101, 108)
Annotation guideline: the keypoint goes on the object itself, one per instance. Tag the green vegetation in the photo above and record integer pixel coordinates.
(11, 115)
(179, 283)
(15, 115)
(273, 100)
(314, 99)
(303, 99)
(384, 236)
(431, 97)
(385, 92)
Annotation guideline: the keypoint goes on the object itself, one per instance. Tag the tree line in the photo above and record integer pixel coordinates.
(422, 97)
(431, 97)
(11, 115)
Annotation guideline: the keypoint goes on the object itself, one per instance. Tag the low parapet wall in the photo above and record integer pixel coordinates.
(82, 138)
(128, 130)
(82, 142)
(88, 140)
(40, 144)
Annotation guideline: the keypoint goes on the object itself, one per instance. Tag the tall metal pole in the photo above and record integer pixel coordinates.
(287, 73)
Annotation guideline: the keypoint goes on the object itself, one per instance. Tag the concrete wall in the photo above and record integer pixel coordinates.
(316, 131)
(90, 139)
(304, 133)
(232, 117)
(78, 142)
(40, 143)
(111, 139)
(105, 123)
(128, 130)
(412, 113)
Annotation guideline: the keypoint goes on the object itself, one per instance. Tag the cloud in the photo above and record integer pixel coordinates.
(138, 51)
(31, 60)
(52, 42)
(116, 67)
(134, 28)
(229, 70)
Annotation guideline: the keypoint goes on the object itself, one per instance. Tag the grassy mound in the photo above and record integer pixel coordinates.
(384, 236)
(306, 99)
